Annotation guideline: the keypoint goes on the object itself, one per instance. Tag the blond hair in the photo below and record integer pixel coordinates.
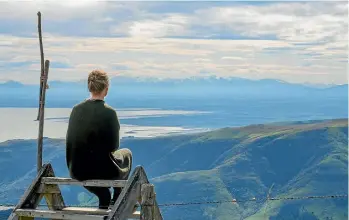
(98, 80)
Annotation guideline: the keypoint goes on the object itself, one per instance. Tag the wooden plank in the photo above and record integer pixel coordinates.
(42, 116)
(67, 213)
(56, 215)
(25, 218)
(54, 201)
(135, 215)
(127, 200)
(86, 210)
(148, 202)
(69, 181)
(47, 189)
(95, 211)
(30, 198)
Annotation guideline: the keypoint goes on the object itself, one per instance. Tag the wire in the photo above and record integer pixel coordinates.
(255, 200)
(219, 202)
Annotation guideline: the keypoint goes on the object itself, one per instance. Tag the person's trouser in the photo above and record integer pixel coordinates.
(123, 163)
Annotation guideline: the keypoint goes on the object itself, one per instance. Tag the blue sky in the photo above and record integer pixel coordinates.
(302, 42)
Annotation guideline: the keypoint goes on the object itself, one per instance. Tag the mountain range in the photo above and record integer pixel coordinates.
(232, 82)
(291, 159)
(184, 94)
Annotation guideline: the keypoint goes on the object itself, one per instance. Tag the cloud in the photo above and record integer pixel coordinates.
(297, 22)
(231, 58)
(291, 41)
(170, 26)
(51, 10)
(171, 58)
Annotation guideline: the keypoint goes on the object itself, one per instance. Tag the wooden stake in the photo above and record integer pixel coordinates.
(43, 80)
(42, 62)
(148, 202)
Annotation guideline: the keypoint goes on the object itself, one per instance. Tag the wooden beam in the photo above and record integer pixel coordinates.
(54, 201)
(144, 180)
(69, 181)
(128, 198)
(44, 189)
(30, 198)
(56, 215)
(135, 215)
(86, 210)
(148, 202)
(42, 115)
(42, 72)
(72, 214)
(25, 218)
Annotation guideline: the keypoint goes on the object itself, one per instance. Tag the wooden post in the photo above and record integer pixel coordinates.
(148, 202)
(137, 186)
(25, 218)
(30, 198)
(144, 180)
(42, 115)
(127, 200)
(42, 62)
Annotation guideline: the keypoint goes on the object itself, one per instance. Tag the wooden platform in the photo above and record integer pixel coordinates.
(135, 191)
(71, 213)
(69, 181)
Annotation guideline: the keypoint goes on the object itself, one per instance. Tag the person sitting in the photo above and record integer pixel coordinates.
(93, 141)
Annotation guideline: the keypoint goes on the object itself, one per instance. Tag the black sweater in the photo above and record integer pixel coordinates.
(92, 135)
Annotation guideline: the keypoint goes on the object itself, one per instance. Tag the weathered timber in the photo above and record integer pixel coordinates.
(69, 181)
(30, 198)
(69, 215)
(137, 189)
(25, 218)
(95, 211)
(42, 115)
(42, 73)
(128, 198)
(144, 180)
(44, 189)
(148, 202)
(86, 210)
(56, 215)
(54, 200)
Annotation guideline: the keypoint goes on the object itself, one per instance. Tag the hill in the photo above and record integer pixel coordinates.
(292, 159)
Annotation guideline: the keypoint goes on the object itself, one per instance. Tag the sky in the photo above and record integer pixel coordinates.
(298, 42)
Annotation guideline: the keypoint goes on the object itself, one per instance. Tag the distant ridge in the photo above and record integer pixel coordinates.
(147, 92)
(199, 81)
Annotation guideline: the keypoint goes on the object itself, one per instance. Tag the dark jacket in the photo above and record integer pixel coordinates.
(92, 136)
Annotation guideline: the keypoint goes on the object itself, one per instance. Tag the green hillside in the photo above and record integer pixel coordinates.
(297, 159)
(287, 159)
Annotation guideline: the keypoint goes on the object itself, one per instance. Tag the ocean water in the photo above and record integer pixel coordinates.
(20, 123)
(236, 111)
(155, 117)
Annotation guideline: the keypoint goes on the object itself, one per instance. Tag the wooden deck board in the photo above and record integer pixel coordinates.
(86, 210)
(56, 215)
(70, 213)
(69, 181)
